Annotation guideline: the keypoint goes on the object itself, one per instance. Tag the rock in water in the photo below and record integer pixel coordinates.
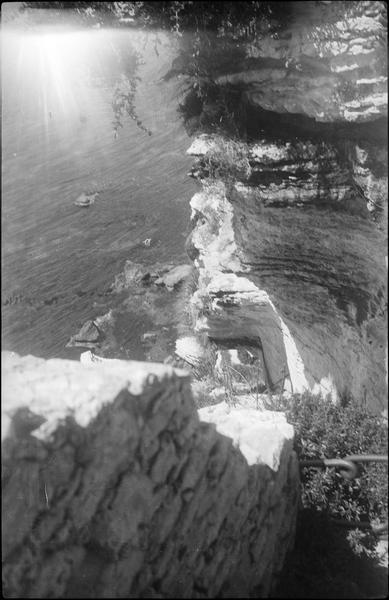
(175, 276)
(89, 332)
(89, 335)
(85, 200)
(149, 335)
(161, 274)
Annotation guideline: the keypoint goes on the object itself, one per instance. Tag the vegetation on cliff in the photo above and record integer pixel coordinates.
(327, 430)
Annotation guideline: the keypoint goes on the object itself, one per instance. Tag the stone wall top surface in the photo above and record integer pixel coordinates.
(54, 389)
(260, 436)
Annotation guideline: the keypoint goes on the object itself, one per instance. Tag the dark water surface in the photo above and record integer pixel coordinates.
(59, 260)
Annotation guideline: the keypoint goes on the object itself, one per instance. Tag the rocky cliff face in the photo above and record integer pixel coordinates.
(327, 63)
(114, 487)
(289, 230)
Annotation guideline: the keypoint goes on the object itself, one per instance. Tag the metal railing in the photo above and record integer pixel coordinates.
(349, 468)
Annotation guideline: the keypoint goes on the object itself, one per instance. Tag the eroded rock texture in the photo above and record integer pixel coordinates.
(114, 488)
(291, 259)
(289, 229)
(328, 63)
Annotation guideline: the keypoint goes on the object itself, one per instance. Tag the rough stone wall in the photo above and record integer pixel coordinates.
(114, 487)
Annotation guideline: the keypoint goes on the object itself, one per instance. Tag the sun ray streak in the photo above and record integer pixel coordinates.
(48, 66)
(62, 75)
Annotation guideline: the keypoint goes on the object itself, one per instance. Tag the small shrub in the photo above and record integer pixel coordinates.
(327, 430)
(219, 378)
(329, 561)
(229, 162)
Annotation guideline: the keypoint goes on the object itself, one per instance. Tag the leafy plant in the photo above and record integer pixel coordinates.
(228, 162)
(123, 103)
(327, 430)
(330, 561)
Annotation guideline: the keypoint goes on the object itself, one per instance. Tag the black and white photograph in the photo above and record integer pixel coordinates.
(194, 272)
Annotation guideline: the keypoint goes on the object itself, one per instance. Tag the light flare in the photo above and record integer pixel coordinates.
(51, 70)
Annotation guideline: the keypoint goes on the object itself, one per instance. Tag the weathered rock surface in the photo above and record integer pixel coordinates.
(189, 349)
(289, 230)
(174, 276)
(339, 175)
(132, 274)
(291, 257)
(89, 335)
(329, 63)
(163, 274)
(141, 296)
(113, 487)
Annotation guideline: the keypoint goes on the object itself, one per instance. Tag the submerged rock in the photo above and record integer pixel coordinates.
(132, 274)
(85, 200)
